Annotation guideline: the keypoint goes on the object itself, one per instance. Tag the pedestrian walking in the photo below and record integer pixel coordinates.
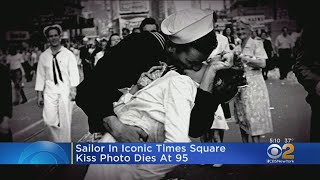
(267, 45)
(27, 66)
(284, 45)
(85, 58)
(252, 103)
(5, 104)
(17, 73)
(56, 81)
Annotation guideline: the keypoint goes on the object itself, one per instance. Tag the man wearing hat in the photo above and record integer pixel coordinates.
(85, 58)
(56, 81)
(168, 100)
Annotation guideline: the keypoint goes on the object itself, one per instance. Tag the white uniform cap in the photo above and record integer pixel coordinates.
(188, 25)
(55, 26)
(85, 39)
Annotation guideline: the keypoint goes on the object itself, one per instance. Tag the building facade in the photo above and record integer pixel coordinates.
(113, 15)
(29, 18)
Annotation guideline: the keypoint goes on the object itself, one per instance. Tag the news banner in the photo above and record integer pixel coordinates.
(44, 152)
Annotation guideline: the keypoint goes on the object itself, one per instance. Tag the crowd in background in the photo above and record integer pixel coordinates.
(89, 50)
(22, 60)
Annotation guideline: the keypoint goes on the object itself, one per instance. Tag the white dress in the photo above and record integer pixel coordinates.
(162, 109)
(219, 120)
(57, 110)
(251, 105)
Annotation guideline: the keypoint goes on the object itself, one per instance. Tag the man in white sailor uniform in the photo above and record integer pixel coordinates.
(56, 81)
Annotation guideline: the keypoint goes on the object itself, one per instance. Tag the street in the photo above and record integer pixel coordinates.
(290, 114)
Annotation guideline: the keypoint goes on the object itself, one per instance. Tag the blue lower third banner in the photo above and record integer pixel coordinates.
(44, 152)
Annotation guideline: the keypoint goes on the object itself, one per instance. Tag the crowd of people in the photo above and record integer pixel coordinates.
(173, 82)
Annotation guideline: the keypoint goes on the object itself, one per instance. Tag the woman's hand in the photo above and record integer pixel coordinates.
(144, 80)
(217, 65)
(228, 58)
(135, 88)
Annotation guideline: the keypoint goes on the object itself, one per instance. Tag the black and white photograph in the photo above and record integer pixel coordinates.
(159, 71)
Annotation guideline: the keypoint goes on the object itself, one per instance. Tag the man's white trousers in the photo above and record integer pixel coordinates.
(57, 115)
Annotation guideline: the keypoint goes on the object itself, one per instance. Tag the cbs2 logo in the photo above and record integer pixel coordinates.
(44, 152)
(274, 151)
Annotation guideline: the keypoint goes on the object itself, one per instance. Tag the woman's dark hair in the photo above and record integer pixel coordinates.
(104, 40)
(225, 30)
(227, 83)
(148, 21)
(205, 44)
(109, 41)
(263, 31)
(125, 29)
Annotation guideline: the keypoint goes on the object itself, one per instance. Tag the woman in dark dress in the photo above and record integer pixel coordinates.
(267, 45)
